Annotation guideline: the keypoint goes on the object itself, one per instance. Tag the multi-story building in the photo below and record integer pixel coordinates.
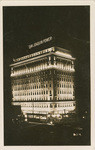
(43, 84)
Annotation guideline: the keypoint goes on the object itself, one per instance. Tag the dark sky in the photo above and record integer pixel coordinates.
(69, 25)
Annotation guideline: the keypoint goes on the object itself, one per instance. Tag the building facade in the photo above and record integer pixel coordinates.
(43, 84)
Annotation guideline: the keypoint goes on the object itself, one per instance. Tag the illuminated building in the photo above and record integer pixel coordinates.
(43, 84)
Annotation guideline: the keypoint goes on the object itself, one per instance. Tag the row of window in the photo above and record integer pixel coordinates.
(32, 98)
(48, 72)
(40, 93)
(27, 81)
(41, 80)
(35, 98)
(64, 79)
(64, 92)
(64, 85)
(66, 97)
(32, 93)
(22, 87)
(16, 88)
(47, 105)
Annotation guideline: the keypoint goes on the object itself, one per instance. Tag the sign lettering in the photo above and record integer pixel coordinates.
(40, 42)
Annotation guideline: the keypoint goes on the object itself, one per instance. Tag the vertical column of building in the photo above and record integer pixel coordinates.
(73, 80)
(55, 84)
(13, 89)
(67, 81)
(47, 78)
(54, 79)
(51, 76)
(52, 62)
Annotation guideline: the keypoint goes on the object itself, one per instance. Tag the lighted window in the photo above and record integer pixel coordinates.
(74, 104)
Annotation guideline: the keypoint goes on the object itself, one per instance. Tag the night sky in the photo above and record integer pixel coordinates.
(68, 25)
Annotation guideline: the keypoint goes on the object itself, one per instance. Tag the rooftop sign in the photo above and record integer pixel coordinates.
(40, 42)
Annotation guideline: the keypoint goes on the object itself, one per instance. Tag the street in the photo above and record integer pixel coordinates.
(41, 134)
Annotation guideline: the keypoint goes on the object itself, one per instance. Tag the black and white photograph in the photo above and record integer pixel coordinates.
(46, 75)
